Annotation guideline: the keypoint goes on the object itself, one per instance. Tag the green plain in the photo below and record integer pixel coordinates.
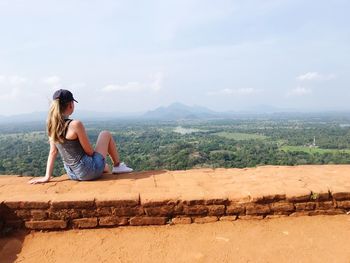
(240, 136)
(307, 149)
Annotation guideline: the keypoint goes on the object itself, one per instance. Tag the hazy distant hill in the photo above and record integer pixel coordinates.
(27, 117)
(180, 111)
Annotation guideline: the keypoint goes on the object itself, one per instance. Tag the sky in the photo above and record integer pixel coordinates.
(134, 56)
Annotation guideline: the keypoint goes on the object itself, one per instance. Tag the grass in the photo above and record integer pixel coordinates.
(306, 149)
(240, 136)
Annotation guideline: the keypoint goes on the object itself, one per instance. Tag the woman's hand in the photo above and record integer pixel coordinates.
(49, 166)
(39, 180)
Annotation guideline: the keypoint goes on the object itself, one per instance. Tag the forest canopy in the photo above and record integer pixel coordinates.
(186, 144)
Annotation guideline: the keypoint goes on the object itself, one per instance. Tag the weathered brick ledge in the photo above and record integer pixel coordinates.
(179, 197)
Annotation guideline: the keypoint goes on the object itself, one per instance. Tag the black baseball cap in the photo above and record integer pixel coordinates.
(63, 95)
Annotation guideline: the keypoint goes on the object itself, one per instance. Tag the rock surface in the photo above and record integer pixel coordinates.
(156, 197)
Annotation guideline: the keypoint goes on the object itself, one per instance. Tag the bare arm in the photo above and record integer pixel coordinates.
(83, 138)
(49, 166)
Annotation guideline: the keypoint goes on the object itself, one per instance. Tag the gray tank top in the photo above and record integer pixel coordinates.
(71, 151)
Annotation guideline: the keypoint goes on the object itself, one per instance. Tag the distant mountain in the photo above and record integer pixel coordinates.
(26, 117)
(176, 111)
(180, 111)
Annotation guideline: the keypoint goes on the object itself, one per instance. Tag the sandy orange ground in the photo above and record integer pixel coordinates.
(299, 239)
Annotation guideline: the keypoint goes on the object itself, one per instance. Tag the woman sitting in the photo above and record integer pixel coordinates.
(69, 138)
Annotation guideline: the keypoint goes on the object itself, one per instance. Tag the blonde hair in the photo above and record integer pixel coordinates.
(56, 124)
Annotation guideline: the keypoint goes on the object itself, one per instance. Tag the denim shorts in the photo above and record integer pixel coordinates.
(89, 168)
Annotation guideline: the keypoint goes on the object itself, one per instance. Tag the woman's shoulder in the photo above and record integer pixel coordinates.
(76, 124)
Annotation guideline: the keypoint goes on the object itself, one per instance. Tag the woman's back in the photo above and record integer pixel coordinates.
(70, 150)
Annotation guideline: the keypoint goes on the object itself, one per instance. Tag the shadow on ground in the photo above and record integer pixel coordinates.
(112, 177)
(134, 175)
(11, 246)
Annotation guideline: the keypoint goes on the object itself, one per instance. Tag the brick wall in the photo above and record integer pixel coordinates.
(92, 213)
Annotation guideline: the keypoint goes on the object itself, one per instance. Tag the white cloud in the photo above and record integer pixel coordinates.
(241, 91)
(155, 84)
(299, 91)
(130, 86)
(309, 76)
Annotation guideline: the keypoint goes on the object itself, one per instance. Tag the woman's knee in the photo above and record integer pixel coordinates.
(105, 134)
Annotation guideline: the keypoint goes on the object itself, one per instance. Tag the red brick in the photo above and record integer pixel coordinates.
(112, 221)
(127, 211)
(145, 220)
(181, 220)
(320, 196)
(38, 215)
(305, 206)
(58, 204)
(282, 207)
(130, 201)
(159, 203)
(273, 198)
(88, 213)
(193, 202)
(235, 209)
(216, 210)
(178, 209)
(165, 210)
(159, 198)
(297, 199)
(265, 198)
(206, 219)
(257, 209)
(23, 214)
(324, 205)
(27, 204)
(64, 214)
(85, 223)
(104, 211)
(343, 204)
(195, 210)
(340, 196)
(215, 202)
(48, 224)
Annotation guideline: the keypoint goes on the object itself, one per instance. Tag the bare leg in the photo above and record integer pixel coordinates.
(105, 145)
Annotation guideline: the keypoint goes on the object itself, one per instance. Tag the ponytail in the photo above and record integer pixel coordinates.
(56, 124)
